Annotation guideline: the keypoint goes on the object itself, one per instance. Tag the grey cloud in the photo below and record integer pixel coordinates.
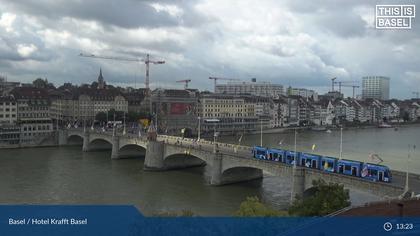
(123, 13)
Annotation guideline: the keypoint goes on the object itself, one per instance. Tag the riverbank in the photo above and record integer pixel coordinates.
(310, 128)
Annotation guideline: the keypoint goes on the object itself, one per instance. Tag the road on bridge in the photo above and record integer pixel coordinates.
(245, 152)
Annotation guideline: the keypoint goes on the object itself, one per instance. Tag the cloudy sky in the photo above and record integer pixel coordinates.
(291, 42)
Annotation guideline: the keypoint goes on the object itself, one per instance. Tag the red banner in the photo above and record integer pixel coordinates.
(180, 108)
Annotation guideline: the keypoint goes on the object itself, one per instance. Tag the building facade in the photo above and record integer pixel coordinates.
(303, 92)
(262, 89)
(376, 87)
(33, 115)
(234, 113)
(175, 110)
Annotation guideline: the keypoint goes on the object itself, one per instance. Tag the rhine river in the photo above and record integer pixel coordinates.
(66, 175)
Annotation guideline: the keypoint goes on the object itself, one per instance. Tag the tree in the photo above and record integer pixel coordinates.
(94, 84)
(40, 83)
(406, 116)
(327, 198)
(253, 207)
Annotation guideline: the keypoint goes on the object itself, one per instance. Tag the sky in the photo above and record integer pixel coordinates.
(290, 42)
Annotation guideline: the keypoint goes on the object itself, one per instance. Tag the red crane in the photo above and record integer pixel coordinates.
(146, 61)
(186, 81)
(218, 78)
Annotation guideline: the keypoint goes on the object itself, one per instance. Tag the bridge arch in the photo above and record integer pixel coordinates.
(100, 144)
(75, 139)
(131, 150)
(240, 174)
(183, 160)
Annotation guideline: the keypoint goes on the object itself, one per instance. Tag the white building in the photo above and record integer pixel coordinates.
(8, 110)
(263, 89)
(303, 92)
(376, 87)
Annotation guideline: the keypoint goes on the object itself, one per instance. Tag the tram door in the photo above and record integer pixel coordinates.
(340, 169)
(314, 164)
(353, 171)
(381, 176)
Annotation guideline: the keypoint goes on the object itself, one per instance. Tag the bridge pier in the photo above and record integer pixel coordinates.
(115, 147)
(216, 170)
(154, 156)
(85, 147)
(298, 183)
(62, 137)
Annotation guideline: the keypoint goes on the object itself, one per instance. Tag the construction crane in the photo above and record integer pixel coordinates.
(185, 81)
(344, 84)
(218, 78)
(354, 88)
(332, 83)
(417, 94)
(146, 61)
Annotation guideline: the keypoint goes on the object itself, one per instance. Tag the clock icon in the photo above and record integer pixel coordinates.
(387, 226)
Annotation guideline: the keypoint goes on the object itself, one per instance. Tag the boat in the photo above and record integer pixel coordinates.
(328, 131)
(384, 125)
(319, 128)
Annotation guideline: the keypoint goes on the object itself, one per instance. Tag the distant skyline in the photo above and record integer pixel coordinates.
(290, 42)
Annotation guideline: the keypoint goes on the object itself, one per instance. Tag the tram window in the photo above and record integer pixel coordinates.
(386, 174)
(373, 172)
(276, 155)
(346, 167)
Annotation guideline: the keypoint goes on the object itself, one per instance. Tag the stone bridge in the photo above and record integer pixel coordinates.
(224, 163)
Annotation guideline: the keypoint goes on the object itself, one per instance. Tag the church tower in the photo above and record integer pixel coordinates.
(101, 81)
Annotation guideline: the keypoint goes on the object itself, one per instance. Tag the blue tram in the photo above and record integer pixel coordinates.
(290, 157)
(275, 155)
(259, 152)
(310, 160)
(376, 172)
(368, 171)
(349, 167)
(328, 164)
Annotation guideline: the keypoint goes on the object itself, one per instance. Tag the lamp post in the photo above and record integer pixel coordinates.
(113, 126)
(406, 188)
(295, 150)
(124, 131)
(341, 142)
(199, 128)
(261, 135)
(214, 138)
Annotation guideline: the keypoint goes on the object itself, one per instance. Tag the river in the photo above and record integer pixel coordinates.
(66, 175)
(390, 145)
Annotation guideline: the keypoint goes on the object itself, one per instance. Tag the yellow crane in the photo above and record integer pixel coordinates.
(146, 61)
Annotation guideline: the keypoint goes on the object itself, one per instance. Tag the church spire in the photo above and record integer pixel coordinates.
(101, 81)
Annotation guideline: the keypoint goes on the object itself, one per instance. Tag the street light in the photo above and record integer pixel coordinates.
(295, 150)
(261, 136)
(214, 121)
(408, 166)
(124, 125)
(341, 142)
(199, 128)
(113, 126)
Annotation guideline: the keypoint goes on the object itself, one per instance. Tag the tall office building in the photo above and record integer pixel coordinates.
(376, 87)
